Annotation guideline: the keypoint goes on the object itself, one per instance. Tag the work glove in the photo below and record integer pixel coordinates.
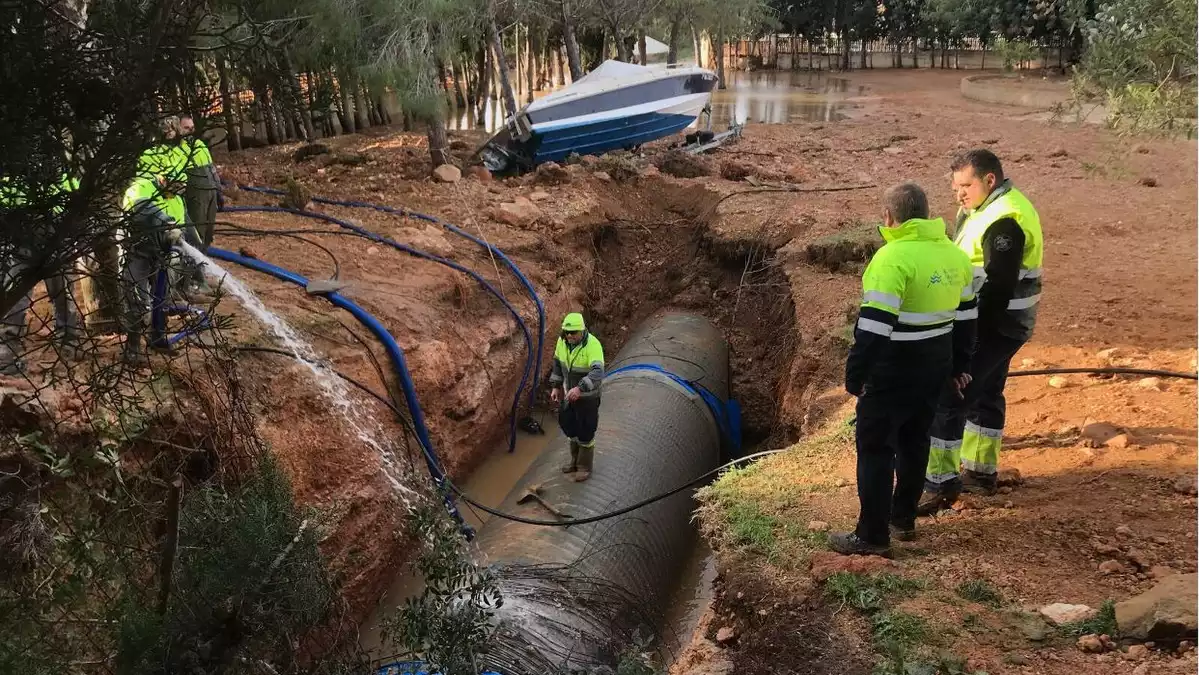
(172, 237)
(220, 198)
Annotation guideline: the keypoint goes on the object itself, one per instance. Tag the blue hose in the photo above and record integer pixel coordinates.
(462, 233)
(393, 350)
(524, 380)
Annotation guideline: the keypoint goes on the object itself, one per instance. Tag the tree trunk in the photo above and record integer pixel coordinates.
(232, 124)
(520, 70)
(846, 64)
(642, 57)
(718, 47)
(344, 84)
(865, 51)
(456, 73)
(360, 121)
(573, 60)
(672, 56)
(497, 45)
(483, 88)
(559, 75)
(530, 66)
(915, 53)
(697, 46)
(268, 119)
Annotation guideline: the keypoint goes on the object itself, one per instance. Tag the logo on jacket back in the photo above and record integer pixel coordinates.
(1003, 242)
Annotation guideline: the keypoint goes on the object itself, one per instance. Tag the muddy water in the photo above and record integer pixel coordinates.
(761, 97)
(488, 485)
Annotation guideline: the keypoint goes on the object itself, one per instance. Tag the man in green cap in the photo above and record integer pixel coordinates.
(576, 377)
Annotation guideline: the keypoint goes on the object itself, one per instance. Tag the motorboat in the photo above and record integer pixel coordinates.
(617, 106)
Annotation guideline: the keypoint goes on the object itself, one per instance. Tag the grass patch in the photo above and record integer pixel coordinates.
(853, 245)
(894, 629)
(1103, 623)
(868, 593)
(748, 526)
(763, 508)
(980, 591)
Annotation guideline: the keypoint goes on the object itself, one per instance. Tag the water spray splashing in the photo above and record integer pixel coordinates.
(360, 420)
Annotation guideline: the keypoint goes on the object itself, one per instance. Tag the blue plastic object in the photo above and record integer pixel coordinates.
(727, 414)
(529, 363)
(160, 310)
(393, 351)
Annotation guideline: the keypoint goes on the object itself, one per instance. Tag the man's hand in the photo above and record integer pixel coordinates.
(960, 382)
(556, 395)
(855, 389)
(173, 236)
(573, 395)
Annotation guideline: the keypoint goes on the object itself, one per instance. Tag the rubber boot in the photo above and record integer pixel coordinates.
(931, 503)
(574, 458)
(977, 483)
(133, 356)
(586, 457)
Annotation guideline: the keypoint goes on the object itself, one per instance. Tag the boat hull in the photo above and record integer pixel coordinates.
(599, 118)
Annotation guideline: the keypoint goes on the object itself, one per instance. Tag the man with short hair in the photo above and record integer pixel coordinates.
(576, 377)
(1001, 232)
(913, 335)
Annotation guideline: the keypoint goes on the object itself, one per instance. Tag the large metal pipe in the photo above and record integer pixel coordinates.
(574, 597)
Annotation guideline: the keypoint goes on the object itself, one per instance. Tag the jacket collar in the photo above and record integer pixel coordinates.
(916, 228)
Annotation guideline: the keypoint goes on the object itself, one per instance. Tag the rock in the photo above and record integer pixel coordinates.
(1185, 485)
(1029, 363)
(306, 152)
(1164, 612)
(1095, 434)
(1059, 152)
(1009, 477)
(1032, 626)
(447, 173)
(1005, 490)
(539, 195)
(826, 563)
(1104, 548)
(735, 171)
(248, 252)
(818, 526)
(1009, 504)
(1142, 669)
(651, 170)
(1148, 181)
(725, 635)
(1120, 441)
(1154, 383)
(372, 250)
(892, 150)
(1059, 382)
(1090, 644)
(1015, 659)
(479, 173)
(552, 173)
(1060, 613)
(1109, 353)
(519, 213)
(1137, 653)
(602, 177)
(1124, 531)
(1110, 567)
(1137, 557)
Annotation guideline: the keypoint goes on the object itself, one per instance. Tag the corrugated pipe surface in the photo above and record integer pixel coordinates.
(575, 597)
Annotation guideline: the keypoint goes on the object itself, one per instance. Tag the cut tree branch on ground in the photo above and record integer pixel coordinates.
(835, 188)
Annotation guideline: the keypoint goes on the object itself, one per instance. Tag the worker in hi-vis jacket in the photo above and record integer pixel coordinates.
(576, 377)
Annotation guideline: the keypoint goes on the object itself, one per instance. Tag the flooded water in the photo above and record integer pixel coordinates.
(689, 603)
(782, 97)
(761, 97)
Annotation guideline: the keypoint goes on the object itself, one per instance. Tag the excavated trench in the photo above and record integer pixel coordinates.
(633, 272)
(735, 284)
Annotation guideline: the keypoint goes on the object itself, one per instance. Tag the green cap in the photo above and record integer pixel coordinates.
(573, 322)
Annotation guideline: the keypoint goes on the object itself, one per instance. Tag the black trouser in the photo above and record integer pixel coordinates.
(981, 411)
(579, 420)
(892, 443)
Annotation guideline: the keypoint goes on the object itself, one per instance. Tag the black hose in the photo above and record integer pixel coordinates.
(509, 516)
(1105, 371)
(691, 483)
